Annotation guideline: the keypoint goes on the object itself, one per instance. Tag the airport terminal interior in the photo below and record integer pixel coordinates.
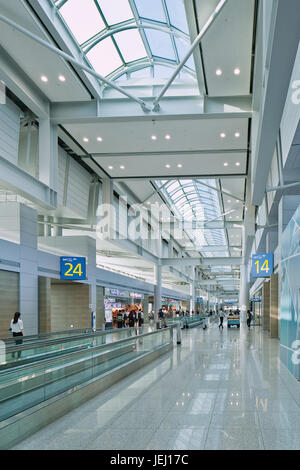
(149, 225)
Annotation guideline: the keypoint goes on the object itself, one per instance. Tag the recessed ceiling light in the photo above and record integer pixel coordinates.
(85, 139)
(122, 167)
(167, 137)
(222, 135)
(110, 167)
(238, 164)
(99, 139)
(237, 71)
(237, 135)
(225, 164)
(179, 165)
(219, 72)
(229, 201)
(61, 78)
(148, 203)
(168, 166)
(44, 78)
(153, 137)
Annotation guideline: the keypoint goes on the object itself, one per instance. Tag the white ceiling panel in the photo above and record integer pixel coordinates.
(36, 60)
(228, 46)
(155, 166)
(120, 137)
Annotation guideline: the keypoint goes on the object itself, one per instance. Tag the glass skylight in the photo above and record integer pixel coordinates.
(123, 36)
(192, 200)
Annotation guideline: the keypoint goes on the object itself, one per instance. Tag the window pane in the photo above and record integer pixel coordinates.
(151, 9)
(182, 48)
(177, 14)
(130, 45)
(83, 18)
(104, 57)
(162, 72)
(160, 44)
(115, 11)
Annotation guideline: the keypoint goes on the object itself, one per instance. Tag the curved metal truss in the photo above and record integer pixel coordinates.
(147, 31)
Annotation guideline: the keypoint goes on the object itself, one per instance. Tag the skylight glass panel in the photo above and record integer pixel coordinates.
(115, 11)
(177, 14)
(160, 44)
(104, 57)
(161, 71)
(151, 9)
(83, 19)
(130, 45)
(182, 48)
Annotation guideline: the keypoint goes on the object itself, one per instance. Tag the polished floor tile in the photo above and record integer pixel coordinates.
(218, 390)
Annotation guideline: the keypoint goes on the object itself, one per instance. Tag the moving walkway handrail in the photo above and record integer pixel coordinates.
(41, 336)
(63, 339)
(79, 353)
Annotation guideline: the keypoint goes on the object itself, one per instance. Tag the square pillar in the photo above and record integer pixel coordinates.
(266, 306)
(274, 311)
(28, 296)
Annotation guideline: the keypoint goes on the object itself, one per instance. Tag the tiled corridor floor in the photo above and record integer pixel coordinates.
(218, 390)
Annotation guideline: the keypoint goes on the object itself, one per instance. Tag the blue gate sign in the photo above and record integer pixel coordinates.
(72, 268)
(262, 265)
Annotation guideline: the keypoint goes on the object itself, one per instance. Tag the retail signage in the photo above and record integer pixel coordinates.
(118, 293)
(135, 295)
(262, 265)
(72, 268)
(255, 300)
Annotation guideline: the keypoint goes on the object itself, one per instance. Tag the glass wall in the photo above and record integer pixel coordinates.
(290, 296)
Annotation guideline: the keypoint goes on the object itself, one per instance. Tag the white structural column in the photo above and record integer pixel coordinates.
(28, 287)
(91, 276)
(244, 291)
(157, 289)
(48, 153)
(192, 290)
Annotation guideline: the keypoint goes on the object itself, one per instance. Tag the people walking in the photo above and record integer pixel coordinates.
(17, 329)
(221, 315)
(249, 318)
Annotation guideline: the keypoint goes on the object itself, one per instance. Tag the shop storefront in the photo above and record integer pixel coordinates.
(256, 307)
(115, 300)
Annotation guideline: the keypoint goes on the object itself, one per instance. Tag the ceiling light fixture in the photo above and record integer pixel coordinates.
(122, 167)
(222, 135)
(168, 166)
(238, 164)
(167, 137)
(237, 71)
(179, 165)
(44, 78)
(110, 167)
(225, 164)
(99, 139)
(219, 72)
(85, 139)
(153, 137)
(61, 78)
(237, 135)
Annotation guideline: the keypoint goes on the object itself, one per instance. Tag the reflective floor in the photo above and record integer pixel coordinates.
(219, 390)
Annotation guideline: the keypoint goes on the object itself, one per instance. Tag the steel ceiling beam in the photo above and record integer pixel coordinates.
(195, 43)
(175, 107)
(277, 71)
(73, 61)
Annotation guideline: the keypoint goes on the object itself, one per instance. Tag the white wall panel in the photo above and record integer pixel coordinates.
(78, 189)
(9, 132)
